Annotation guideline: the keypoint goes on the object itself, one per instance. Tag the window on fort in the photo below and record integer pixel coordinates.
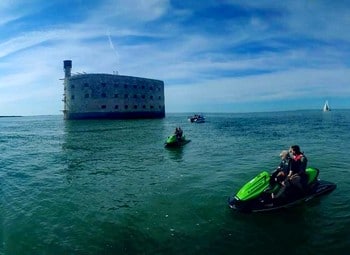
(86, 95)
(103, 84)
(72, 86)
(135, 87)
(125, 86)
(115, 95)
(126, 106)
(86, 85)
(143, 96)
(103, 106)
(126, 96)
(135, 106)
(151, 88)
(144, 106)
(103, 95)
(116, 85)
(135, 96)
(152, 107)
(72, 97)
(159, 97)
(151, 97)
(116, 106)
(160, 107)
(143, 86)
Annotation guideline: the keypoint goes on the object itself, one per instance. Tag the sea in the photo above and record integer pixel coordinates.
(111, 187)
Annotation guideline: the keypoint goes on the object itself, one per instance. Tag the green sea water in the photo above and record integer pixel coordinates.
(110, 186)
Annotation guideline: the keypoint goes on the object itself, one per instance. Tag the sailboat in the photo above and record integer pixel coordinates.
(326, 107)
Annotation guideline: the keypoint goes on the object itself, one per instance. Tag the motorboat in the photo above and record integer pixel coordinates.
(197, 118)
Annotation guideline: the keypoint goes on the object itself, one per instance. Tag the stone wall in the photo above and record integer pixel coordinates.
(113, 96)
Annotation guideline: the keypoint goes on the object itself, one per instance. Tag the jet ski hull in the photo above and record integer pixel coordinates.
(173, 142)
(264, 202)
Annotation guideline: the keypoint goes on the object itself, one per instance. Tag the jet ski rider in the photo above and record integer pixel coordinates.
(178, 133)
(296, 177)
(281, 172)
(297, 174)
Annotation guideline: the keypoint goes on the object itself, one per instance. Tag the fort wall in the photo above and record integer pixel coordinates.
(95, 96)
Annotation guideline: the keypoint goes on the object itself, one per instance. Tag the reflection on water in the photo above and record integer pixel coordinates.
(175, 153)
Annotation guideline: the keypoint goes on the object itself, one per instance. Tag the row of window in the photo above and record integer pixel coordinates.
(116, 107)
(126, 86)
(103, 95)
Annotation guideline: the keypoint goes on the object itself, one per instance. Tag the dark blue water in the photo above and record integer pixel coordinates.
(110, 187)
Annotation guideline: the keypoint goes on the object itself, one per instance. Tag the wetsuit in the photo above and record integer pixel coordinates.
(281, 172)
(296, 182)
(298, 168)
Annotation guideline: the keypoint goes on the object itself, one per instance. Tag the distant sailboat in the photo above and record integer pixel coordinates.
(326, 107)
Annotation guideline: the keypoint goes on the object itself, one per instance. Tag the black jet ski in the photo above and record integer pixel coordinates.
(255, 196)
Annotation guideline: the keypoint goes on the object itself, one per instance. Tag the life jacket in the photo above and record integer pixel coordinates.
(299, 165)
(297, 157)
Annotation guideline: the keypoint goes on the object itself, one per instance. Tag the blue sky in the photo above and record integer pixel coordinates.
(213, 55)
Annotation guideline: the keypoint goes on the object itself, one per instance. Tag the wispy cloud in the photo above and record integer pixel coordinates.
(212, 53)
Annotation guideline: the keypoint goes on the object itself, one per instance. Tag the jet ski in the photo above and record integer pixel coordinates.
(173, 141)
(256, 195)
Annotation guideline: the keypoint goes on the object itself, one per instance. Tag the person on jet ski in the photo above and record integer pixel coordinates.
(281, 172)
(297, 174)
(296, 179)
(178, 133)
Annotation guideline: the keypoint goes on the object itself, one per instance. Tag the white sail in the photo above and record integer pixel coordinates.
(326, 107)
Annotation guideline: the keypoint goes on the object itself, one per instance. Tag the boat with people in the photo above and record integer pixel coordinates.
(256, 195)
(197, 118)
(326, 107)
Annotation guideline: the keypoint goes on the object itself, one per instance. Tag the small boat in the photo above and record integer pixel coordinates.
(173, 141)
(326, 107)
(197, 118)
(255, 195)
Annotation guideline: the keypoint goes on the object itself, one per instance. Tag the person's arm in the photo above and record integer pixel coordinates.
(303, 164)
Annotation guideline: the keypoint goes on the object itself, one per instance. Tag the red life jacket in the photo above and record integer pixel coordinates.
(297, 157)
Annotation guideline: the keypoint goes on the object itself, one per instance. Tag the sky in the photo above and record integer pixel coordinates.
(213, 55)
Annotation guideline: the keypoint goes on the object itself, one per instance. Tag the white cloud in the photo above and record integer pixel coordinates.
(260, 88)
(195, 67)
(117, 12)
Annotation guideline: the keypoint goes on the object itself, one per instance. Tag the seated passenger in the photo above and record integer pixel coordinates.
(297, 174)
(281, 172)
(296, 179)
(178, 133)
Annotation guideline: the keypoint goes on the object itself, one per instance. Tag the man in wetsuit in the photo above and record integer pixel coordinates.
(296, 180)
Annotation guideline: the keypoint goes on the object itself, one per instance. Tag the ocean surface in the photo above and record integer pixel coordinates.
(110, 186)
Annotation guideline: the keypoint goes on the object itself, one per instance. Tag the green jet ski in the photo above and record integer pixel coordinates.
(173, 141)
(255, 195)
